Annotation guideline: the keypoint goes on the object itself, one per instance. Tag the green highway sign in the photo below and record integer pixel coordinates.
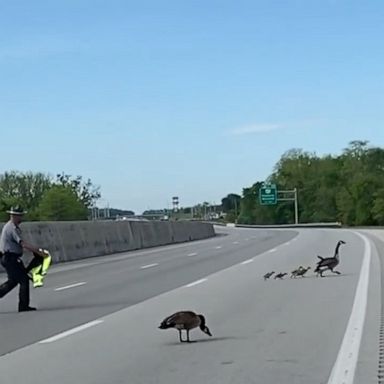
(268, 194)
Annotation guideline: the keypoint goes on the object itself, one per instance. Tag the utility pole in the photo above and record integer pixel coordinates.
(294, 199)
(235, 210)
(296, 208)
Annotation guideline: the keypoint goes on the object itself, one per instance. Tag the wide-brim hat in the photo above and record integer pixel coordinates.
(17, 210)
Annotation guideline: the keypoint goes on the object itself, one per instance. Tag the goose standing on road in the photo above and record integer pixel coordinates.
(186, 320)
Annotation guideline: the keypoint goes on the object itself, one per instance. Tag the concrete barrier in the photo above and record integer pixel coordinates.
(78, 240)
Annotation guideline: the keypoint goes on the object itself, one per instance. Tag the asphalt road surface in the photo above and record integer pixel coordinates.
(97, 319)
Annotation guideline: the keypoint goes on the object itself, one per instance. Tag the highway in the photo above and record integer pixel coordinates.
(97, 318)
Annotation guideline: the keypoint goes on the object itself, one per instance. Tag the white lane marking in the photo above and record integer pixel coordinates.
(287, 243)
(196, 283)
(71, 332)
(149, 266)
(272, 250)
(218, 247)
(125, 256)
(192, 254)
(71, 286)
(235, 242)
(343, 371)
(247, 261)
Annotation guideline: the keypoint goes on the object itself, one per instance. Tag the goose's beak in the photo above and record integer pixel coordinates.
(207, 331)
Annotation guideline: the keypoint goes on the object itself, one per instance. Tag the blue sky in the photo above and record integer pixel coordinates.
(196, 99)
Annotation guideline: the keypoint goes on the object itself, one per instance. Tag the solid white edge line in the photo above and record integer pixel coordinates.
(195, 283)
(272, 250)
(149, 266)
(71, 286)
(343, 371)
(192, 254)
(247, 261)
(71, 332)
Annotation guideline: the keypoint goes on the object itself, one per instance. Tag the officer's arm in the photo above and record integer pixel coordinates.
(31, 248)
(18, 239)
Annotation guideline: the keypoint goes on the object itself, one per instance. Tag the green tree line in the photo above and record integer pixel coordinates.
(46, 198)
(348, 188)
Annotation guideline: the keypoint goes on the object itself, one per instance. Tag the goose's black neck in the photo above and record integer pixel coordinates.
(337, 249)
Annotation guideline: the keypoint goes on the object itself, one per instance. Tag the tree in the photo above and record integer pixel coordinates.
(251, 210)
(298, 169)
(62, 203)
(248, 205)
(231, 202)
(347, 188)
(25, 189)
(120, 212)
(378, 207)
(28, 190)
(362, 175)
(231, 205)
(85, 191)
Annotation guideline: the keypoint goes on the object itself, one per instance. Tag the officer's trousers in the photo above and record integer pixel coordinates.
(17, 274)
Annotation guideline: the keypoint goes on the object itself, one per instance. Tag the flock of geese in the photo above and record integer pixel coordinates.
(301, 271)
(187, 320)
(324, 264)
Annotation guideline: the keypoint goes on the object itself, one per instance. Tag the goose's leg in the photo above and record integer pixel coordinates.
(180, 338)
(188, 340)
(331, 269)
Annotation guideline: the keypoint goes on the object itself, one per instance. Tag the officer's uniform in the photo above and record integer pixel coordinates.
(11, 249)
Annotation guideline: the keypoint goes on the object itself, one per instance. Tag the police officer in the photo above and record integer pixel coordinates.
(11, 248)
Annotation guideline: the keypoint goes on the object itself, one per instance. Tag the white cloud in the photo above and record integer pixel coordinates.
(255, 128)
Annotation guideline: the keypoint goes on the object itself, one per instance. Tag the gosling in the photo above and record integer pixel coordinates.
(280, 275)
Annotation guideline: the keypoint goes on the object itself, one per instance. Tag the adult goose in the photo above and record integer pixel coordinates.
(185, 320)
(329, 263)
